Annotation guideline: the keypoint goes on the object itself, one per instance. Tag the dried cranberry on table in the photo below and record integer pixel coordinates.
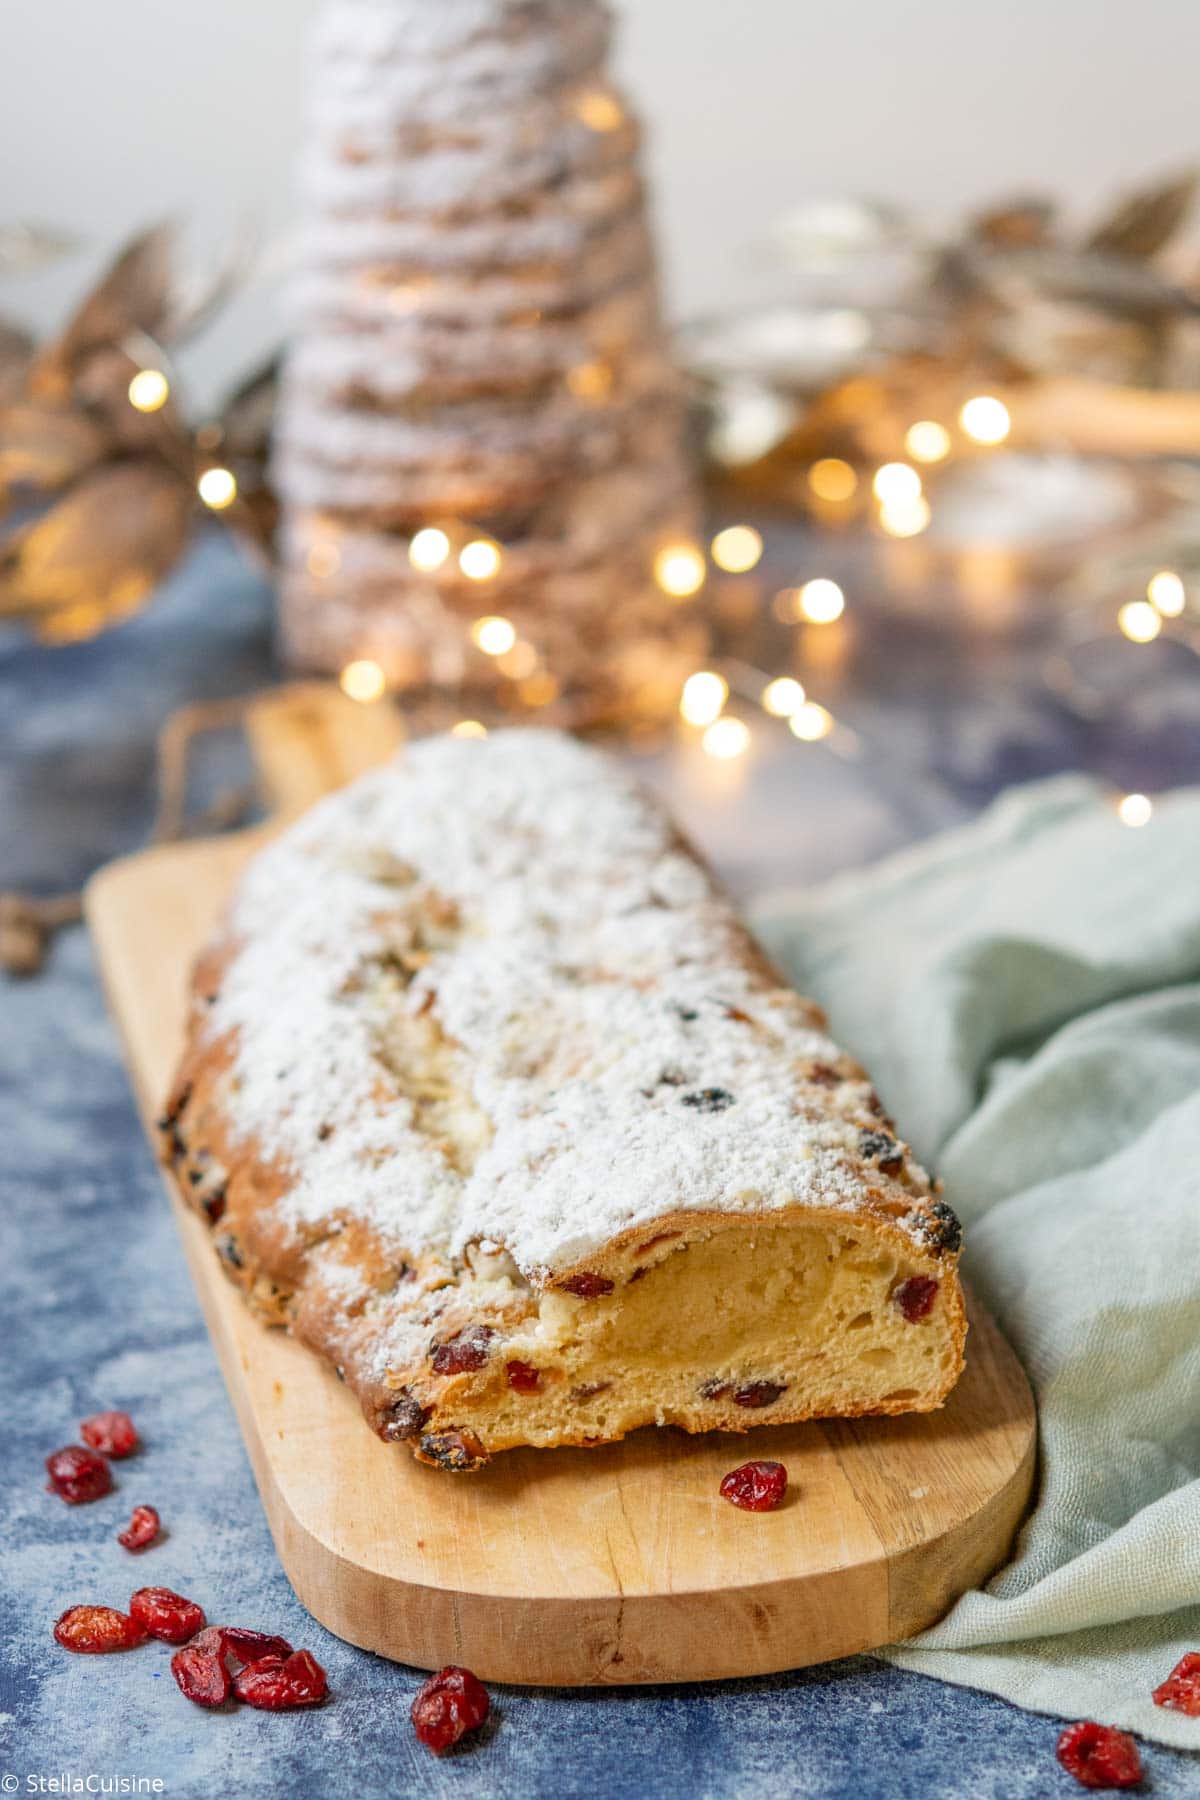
(112, 1433)
(251, 1646)
(97, 1630)
(281, 1683)
(450, 1704)
(143, 1527)
(915, 1297)
(1099, 1756)
(1180, 1692)
(164, 1614)
(78, 1475)
(755, 1486)
(202, 1675)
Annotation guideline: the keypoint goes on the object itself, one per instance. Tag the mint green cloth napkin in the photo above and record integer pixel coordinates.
(1026, 993)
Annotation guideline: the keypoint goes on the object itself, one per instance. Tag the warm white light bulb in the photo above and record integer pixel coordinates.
(1139, 621)
(927, 441)
(1166, 592)
(896, 484)
(783, 697)
(479, 560)
(737, 549)
(811, 722)
(726, 738)
(821, 601)
(679, 570)
(1135, 809)
(494, 635)
(149, 390)
(908, 520)
(468, 728)
(985, 419)
(217, 488)
(703, 696)
(429, 549)
(363, 680)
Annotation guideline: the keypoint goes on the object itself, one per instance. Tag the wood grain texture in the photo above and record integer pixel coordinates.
(570, 1567)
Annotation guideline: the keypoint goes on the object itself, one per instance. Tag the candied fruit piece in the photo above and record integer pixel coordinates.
(78, 1475)
(708, 1100)
(201, 1674)
(758, 1393)
(143, 1527)
(450, 1704)
(755, 1486)
(587, 1285)
(112, 1433)
(1098, 1756)
(1180, 1692)
(282, 1683)
(97, 1630)
(915, 1297)
(164, 1614)
(469, 1349)
(522, 1377)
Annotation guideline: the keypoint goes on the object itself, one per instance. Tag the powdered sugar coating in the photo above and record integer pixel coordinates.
(608, 1053)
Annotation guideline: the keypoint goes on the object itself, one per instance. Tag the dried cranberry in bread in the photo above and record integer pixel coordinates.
(492, 1101)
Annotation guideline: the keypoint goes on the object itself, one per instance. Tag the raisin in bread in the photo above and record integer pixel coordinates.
(490, 1099)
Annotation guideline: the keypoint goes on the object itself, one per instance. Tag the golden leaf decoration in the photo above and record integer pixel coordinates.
(1145, 222)
(99, 553)
(134, 294)
(43, 445)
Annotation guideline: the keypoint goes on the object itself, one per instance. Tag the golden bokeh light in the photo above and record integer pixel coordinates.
(429, 549)
(737, 549)
(363, 680)
(703, 696)
(599, 110)
(811, 722)
(927, 441)
(493, 635)
(590, 381)
(820, 602)
(149, 390)
(518, 662)
(896, 484)
(907, 520)
(1166, 593)
(985, 419)
(217, 488)
(468, 728)
(323, 560)
(480, 559)
(679, 570)
(832, 479)
(726, 739)
(1135, 809)
(1139, 621)
(783, 697)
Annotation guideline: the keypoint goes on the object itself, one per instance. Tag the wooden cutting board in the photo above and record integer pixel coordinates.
(566, 1567)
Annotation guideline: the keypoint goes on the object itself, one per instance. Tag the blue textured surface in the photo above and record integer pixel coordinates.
(99, 1310)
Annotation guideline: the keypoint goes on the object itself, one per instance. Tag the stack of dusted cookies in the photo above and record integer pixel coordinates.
(478, 356)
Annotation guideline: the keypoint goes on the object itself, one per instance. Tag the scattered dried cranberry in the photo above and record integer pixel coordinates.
(450, 1704)
(1099, 1757)
(587, 1285)
(144, 1526)
(201, 1674)
(1180, 1692)
(78, 1475)
(112, 1433)
(915, 1297)
(252, 1646)
(470, 1349)
(756, 1486)
(758, 1393)
(96, 1630)
(278, 1684)
(523, 1378)
(166, 1615)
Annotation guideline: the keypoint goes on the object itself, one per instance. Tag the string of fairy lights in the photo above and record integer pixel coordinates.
(709, 697)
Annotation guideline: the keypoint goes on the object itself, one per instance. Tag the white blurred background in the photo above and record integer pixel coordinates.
(115, 113)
